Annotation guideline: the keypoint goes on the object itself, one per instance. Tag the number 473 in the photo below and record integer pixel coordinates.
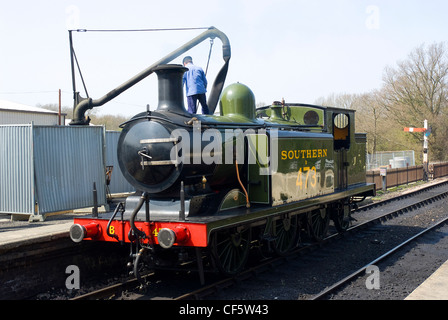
(310, 177)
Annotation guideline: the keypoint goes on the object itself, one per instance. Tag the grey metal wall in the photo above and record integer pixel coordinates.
(16, 117)
(118, 183)
(47, 169)
(16, 169)
(67, 161)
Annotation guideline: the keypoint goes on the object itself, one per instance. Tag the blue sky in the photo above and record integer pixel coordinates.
(297, 50)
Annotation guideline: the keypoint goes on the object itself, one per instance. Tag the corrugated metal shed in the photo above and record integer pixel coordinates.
(16, 113)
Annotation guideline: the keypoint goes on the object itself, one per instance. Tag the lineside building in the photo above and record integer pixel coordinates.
(16, 113)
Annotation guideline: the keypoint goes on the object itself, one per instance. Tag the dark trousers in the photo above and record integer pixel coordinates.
(192, 103)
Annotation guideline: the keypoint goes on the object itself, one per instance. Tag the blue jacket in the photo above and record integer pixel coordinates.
(195, 80)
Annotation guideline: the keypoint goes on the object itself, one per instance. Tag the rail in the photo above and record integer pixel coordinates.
(357, 273)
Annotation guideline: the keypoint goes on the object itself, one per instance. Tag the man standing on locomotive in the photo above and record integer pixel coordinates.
(196, 86)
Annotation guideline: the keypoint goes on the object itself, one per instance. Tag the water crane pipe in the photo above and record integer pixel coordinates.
(89, 103)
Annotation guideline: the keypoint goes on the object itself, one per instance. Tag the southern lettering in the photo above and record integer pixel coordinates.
(304, 154)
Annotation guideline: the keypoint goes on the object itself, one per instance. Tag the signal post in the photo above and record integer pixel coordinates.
(425, 146)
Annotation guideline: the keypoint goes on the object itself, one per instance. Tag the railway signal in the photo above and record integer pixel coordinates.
(426, 132)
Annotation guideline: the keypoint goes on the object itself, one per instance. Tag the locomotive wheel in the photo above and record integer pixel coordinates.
(318, 222)
(341, 219)
(230, 249)
(285, 231)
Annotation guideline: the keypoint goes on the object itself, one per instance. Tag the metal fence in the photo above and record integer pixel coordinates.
(394, 159)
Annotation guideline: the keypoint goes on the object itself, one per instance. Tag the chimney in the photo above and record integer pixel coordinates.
(171, 94)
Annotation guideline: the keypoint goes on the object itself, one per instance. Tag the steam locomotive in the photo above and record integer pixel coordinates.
(211, 187)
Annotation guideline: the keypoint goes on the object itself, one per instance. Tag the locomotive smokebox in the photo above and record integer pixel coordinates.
(171, 88)
(149, 155)
(144, 147)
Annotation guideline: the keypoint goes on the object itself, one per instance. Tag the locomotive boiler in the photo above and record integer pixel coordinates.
(211, 187)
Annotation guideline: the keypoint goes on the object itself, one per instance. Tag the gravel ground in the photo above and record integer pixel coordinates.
(404, 271)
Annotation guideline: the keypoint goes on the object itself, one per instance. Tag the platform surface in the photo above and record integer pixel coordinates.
(434, 288)
(25, 236)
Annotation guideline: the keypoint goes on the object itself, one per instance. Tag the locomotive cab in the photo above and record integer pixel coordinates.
(349, 147)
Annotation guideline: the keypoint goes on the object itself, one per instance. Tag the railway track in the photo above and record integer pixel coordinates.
(217, 286)
(362, 271)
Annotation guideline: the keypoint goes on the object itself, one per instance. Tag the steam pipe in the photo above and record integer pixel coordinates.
(89, 103)
(140, 203)
(118, 208)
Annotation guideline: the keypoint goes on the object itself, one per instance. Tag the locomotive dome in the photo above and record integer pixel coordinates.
(238, 99)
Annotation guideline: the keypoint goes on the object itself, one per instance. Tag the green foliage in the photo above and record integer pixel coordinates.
(111, 122)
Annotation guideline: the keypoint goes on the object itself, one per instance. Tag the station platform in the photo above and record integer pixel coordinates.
(26, 236)
(16, 234)
(434, 288)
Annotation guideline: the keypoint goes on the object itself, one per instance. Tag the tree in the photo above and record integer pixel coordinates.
(343, 100)
(371, 118)
(417, 89)
(111, 122)
(55, 107)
